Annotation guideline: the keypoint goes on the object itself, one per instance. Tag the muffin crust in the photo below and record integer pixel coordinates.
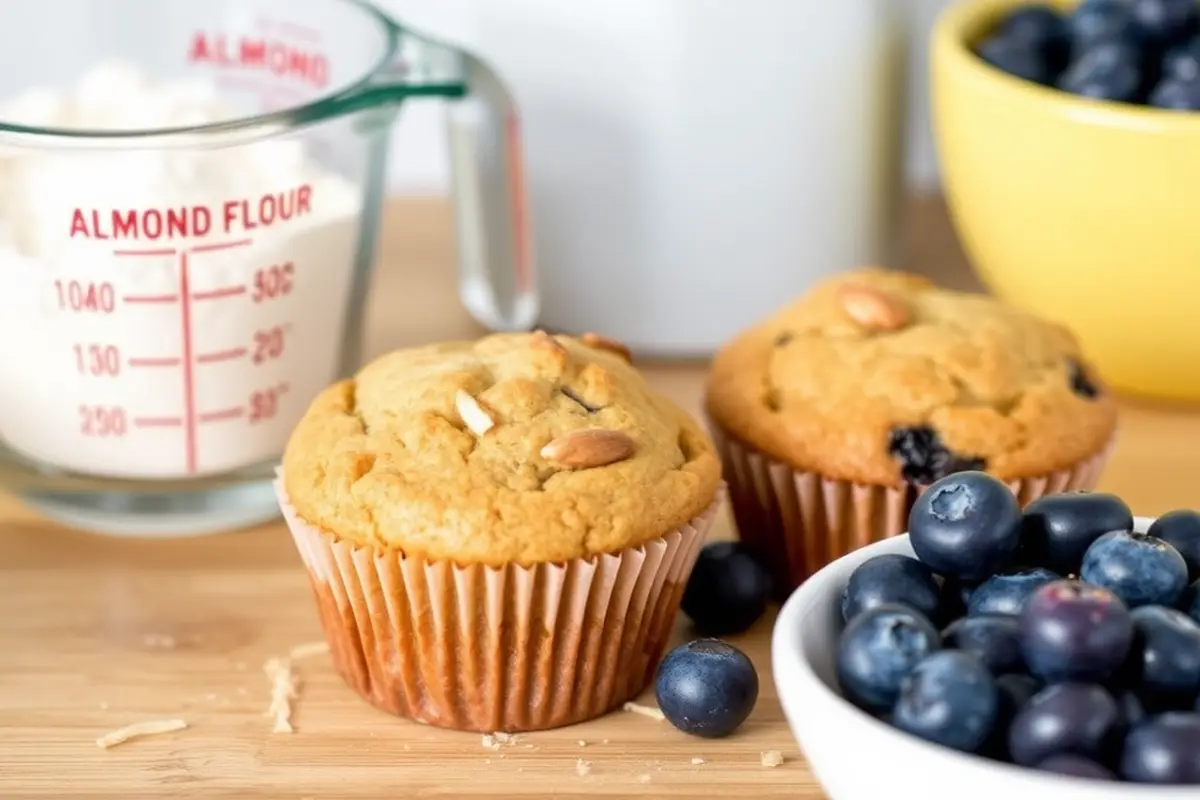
(400, 456)
(879, 377)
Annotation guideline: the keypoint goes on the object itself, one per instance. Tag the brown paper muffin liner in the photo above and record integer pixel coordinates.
(800, 521)
(489, 649)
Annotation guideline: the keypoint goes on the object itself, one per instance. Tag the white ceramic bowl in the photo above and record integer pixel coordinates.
(856, 757)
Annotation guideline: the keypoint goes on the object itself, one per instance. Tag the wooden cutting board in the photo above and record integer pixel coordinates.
(97, 633)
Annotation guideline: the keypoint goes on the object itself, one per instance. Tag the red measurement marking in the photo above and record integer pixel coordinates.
(211, 248)
(162, 251)
(221, 355)
(189, 398)
(219, 294)
(157, 422)
(224, 414)
(150, 298)
(154, 362)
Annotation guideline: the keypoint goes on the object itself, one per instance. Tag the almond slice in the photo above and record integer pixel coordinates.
(589, 447)
(874, 309)
(473, 415)
(604, 343)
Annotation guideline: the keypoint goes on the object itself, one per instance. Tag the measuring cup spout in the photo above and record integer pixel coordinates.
(497, 280)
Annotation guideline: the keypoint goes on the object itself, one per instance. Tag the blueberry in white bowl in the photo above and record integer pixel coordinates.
(965, 526)
(995, 639)
(1164, 664)
(1181, 530)
(1071, 631)
(1163, 750)
(1138, 568)
(1079, 719)
(891, 579)
(948, 698)
(1006, 593)
(877, 651)
(1057, 529)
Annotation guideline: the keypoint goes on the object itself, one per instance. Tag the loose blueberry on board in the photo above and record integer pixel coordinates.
(949, 698)
(1106, 71)
(1181, 529)
(728, 590)
(924, 458)
(878, 649)
(1057, 529)
(1095, 21)
(706, 688)
(1017, 59)
(1076, 718)
(1138, 568)
(1163, 750)
(1162, 23)
(1007, 593)
(890, 578)
(1076, 767)
(965, 526)
(992, 638)
(1173, 94)
(1074, 632)
(1165, 656)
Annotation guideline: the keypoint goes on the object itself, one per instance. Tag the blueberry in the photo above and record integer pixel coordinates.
(1057, 529)
(965, 526)
(993, 639)
(1164, 22)
(890, 578)
(1181, 529)
(878, 649)
(949, 698)
(1165, 656)
(1040, 27)
(1105, 71)
(1182, 62)
(924, 458)
(1082, 383)
(1163, 750)
(1076, 718)
(1140, 569)
(1095, 21)
(728, 590)
(1189, 601)
(706, 688)
(1014, 692)
(1071, 631)
(1006, 594)
(1174, 94)
(1076, 767)
(1018, 59)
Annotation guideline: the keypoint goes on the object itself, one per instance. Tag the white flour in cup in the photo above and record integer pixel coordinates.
(165, 313)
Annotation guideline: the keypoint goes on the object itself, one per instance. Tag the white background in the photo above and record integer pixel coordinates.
(418, 156)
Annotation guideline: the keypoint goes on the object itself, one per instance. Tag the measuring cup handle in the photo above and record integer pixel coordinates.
(497, 280)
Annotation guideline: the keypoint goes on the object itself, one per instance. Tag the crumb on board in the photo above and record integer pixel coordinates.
(284, 689)
(582, 768)
(697, 761)
(646, 711)
(771, 758)
(494, 741)
(307, 650)
(150, 727)
(583, 743)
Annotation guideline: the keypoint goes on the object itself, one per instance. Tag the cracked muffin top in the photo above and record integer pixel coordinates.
(520, 448)
(880, 377)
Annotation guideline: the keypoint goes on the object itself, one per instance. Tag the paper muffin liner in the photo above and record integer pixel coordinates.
(497, 649)
(800, 521)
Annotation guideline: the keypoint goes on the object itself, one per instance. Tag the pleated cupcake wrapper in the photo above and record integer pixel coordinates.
(491, 649)
(800, 521)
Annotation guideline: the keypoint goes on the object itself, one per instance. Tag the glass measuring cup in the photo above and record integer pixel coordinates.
(183, 268)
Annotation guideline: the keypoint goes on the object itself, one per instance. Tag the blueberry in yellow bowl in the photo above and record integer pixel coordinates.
(1076, 679)
(1069, 139)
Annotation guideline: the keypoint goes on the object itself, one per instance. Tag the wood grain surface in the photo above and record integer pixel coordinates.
(97, 633)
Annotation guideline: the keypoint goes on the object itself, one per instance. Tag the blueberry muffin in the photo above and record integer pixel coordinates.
(831, 415)
(498, 532)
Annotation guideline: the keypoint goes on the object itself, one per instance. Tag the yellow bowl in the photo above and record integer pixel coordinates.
(1078, 210)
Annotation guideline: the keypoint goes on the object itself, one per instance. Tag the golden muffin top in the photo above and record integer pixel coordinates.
(880, 377)
(524, 448)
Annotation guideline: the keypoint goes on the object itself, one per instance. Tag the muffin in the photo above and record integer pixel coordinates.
(833, 414)
(498, 532)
